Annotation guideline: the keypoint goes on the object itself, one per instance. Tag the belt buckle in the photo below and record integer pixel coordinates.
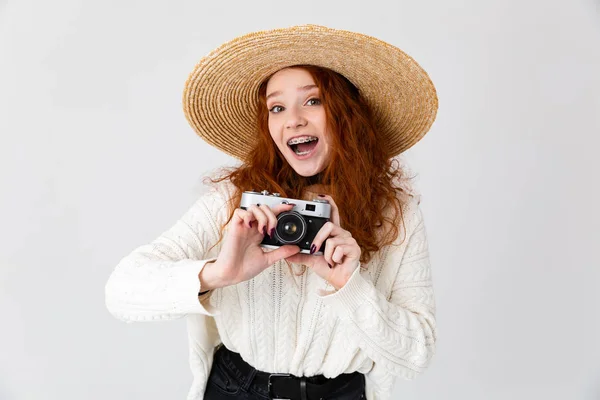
(270, 386)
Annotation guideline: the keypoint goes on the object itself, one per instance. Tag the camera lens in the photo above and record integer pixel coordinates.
(291, 227)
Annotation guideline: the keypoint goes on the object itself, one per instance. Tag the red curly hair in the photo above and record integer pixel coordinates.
(364, 180)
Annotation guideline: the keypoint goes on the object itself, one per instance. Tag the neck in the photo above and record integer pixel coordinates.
(314, 180)
(314, 187)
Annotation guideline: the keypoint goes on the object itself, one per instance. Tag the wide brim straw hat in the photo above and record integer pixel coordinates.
(220, 98)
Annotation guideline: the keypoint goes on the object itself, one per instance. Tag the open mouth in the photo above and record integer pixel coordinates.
(303, 146)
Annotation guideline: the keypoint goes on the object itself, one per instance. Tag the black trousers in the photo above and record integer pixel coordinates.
(232, 378)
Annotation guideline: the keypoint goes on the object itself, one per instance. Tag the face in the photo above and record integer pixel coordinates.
(297, 120)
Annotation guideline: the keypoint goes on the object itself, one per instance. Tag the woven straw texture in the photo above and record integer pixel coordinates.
(220, 98)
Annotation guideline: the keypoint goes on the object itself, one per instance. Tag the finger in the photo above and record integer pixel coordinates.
(244, 217)
(327, 230)
(279, 208)
(335, 214)
(299, 258)
(261, 217)
(282, 252)
(271, 218)
(330, 246)
(341, 251)
(321, 267)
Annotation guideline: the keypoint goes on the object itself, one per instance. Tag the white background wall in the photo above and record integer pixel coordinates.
(97, 158)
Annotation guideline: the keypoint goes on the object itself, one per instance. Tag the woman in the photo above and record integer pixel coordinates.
(338, 324)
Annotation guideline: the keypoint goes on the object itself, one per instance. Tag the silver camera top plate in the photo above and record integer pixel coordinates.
(315, 208)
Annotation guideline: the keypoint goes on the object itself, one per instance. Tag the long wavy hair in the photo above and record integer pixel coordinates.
(362, 177)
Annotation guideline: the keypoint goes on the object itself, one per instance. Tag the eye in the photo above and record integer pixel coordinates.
(276, 109)
(314, 101)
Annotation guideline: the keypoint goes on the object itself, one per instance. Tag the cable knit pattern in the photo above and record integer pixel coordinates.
(381, 323)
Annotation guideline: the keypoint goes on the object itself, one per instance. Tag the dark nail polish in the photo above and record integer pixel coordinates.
(272, 233)
(313, 248)
(250, 224)
(321, 195)
(264, 231)
(329, 265)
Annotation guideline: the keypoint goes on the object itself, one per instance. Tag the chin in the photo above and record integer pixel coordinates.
(306, 170)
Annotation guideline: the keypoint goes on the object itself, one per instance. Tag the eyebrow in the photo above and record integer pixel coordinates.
(303, 88)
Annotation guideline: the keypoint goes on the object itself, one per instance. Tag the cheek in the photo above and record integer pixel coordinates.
(275, 133)
(327, 145)
(322, 122)
(272, 130)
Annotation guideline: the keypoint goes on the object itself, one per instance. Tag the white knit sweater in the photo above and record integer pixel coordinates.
(381, 323)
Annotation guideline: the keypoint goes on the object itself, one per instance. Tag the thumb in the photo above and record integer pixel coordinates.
(282, 252)
(302, 258)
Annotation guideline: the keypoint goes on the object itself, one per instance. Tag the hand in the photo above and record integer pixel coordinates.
(342, 253)
(242, 258)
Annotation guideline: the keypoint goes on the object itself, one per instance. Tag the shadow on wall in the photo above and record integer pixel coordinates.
(594, 390)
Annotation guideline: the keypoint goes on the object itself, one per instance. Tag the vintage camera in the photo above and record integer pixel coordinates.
(298, 226)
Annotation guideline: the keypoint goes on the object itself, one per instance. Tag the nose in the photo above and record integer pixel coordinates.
(295, 118)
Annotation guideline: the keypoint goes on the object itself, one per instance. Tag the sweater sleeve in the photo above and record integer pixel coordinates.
(159, 280)
(398, 333)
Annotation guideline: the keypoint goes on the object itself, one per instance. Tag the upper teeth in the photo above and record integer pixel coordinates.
(302, 139)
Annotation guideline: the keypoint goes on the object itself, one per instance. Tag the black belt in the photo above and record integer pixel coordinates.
(286, 386)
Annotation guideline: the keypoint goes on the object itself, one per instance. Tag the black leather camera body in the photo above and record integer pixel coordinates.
(298, 226)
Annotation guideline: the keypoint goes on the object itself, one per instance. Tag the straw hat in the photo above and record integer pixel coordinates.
(220, 99)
